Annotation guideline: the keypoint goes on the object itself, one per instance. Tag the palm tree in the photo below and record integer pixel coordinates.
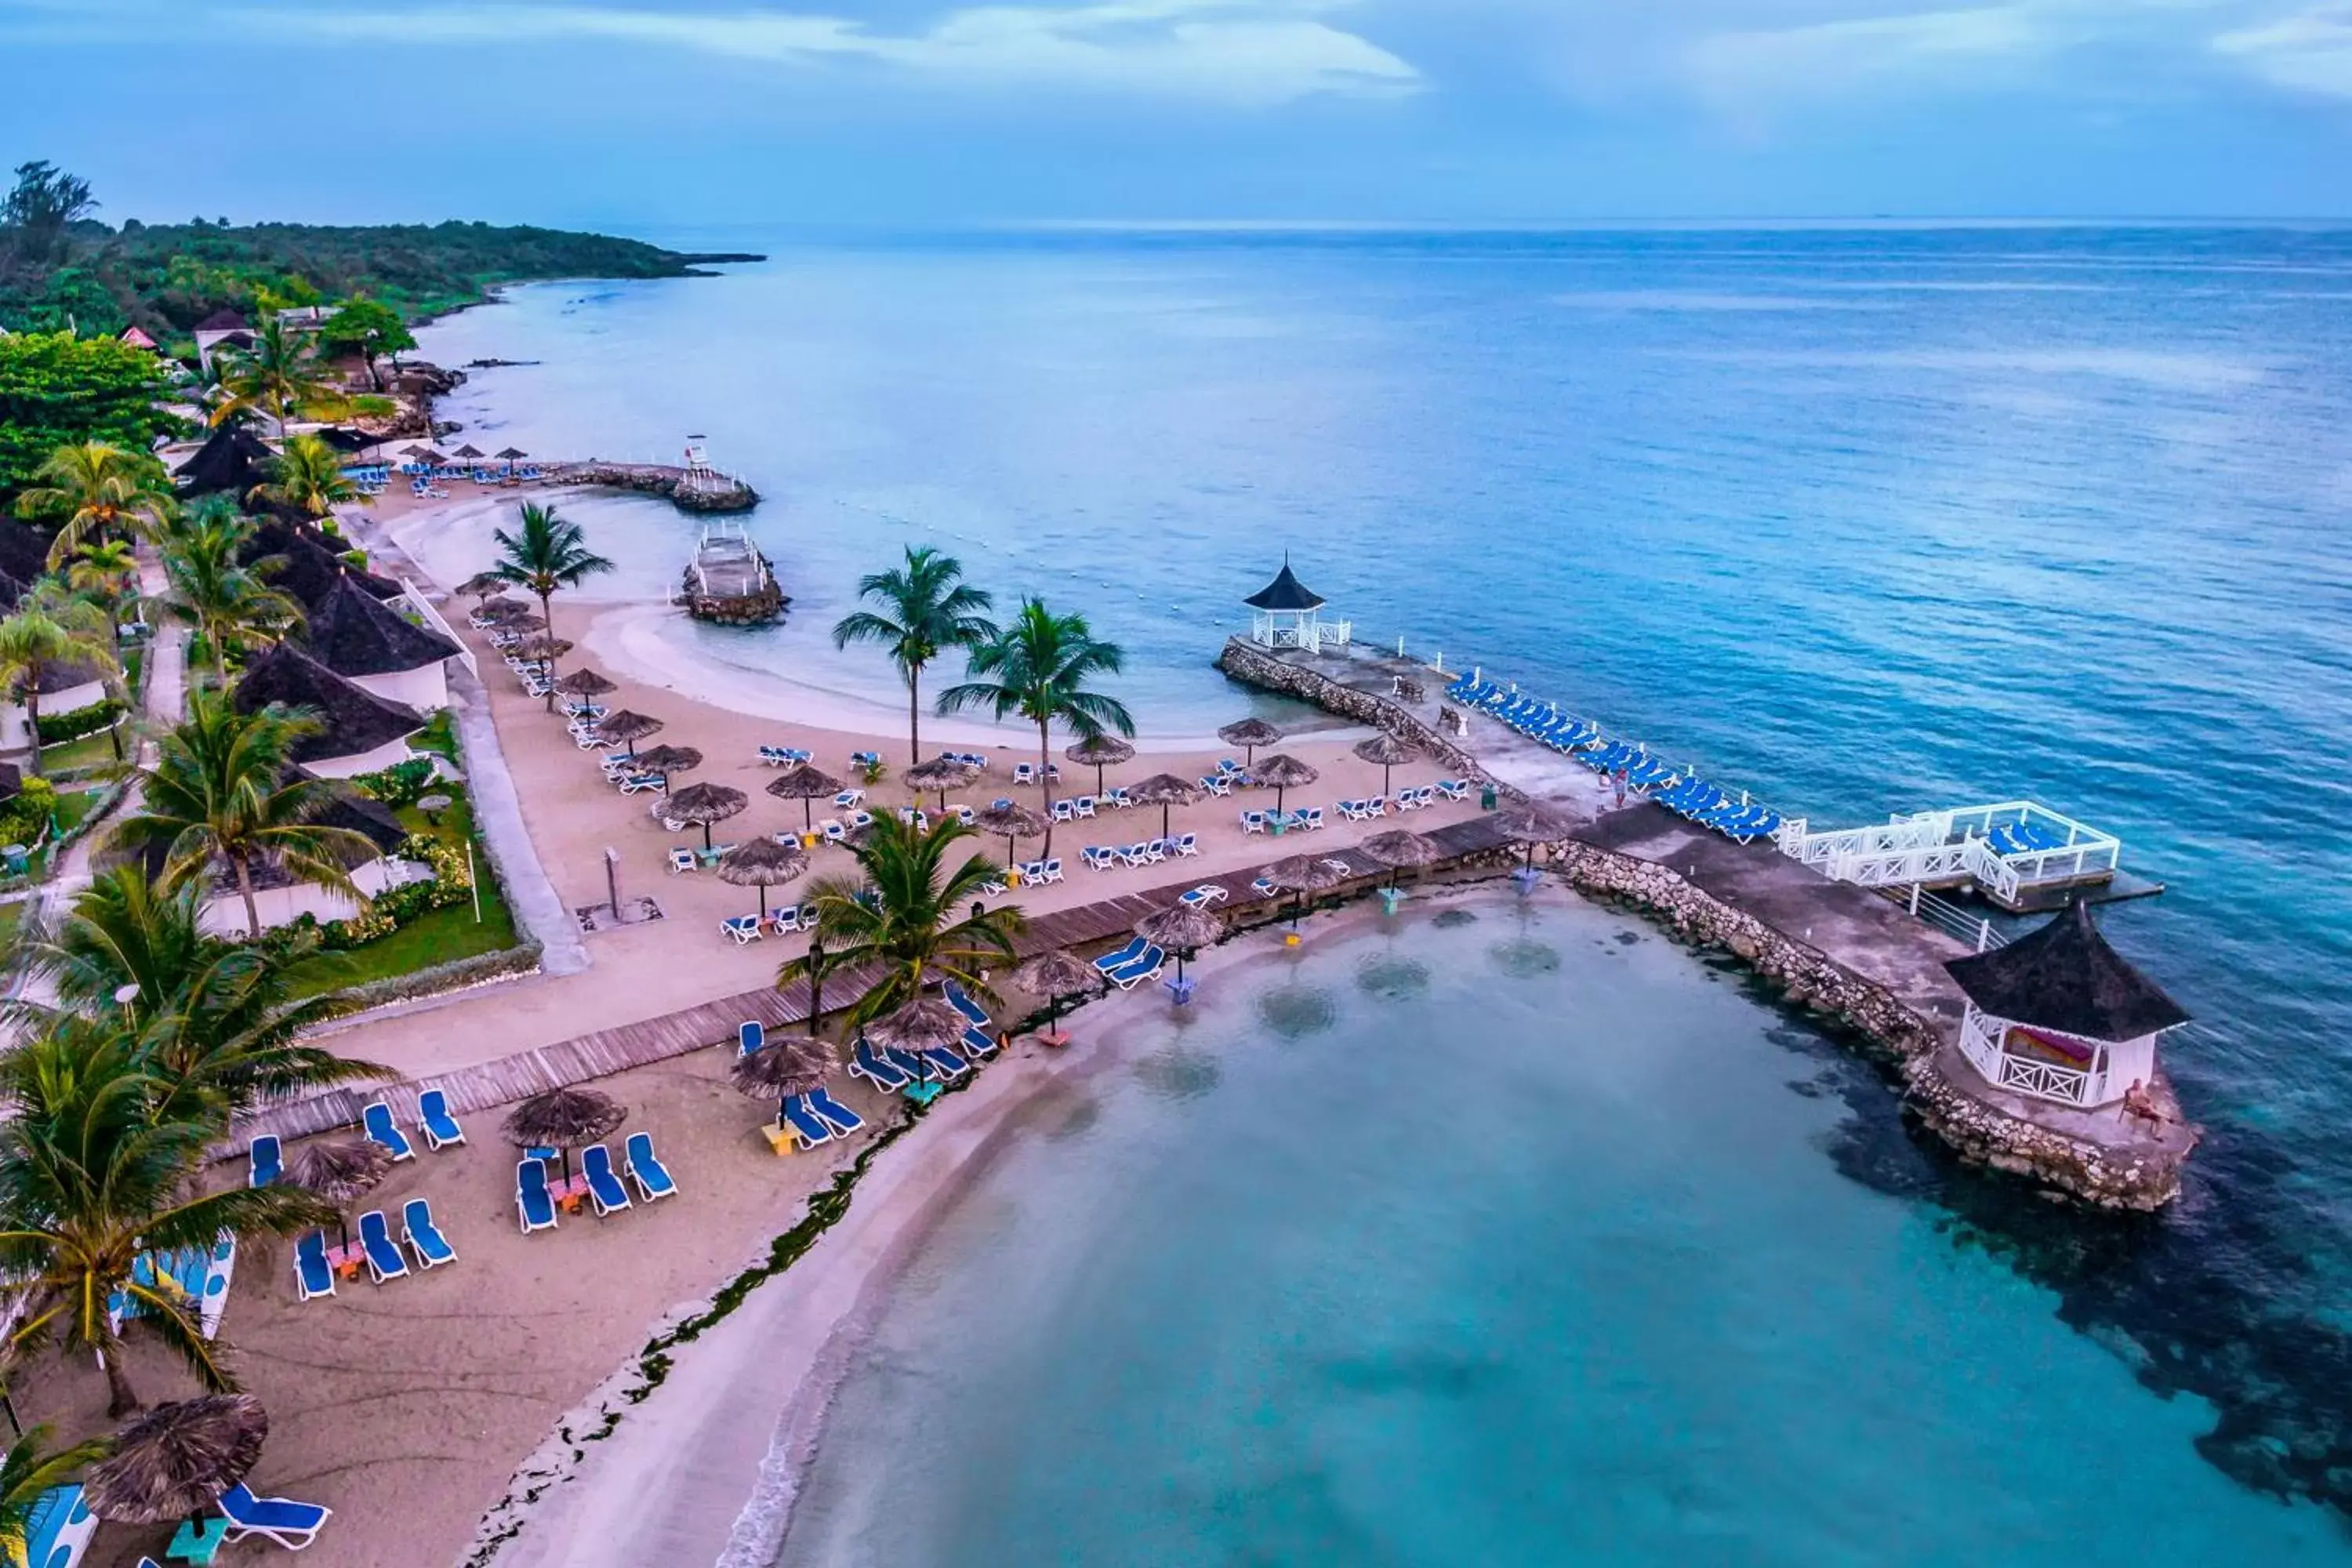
(95, 490)
(224, 788)
(216, 1025)
(547, 554)
(90, 1178)
(49, 628)
(208, 586)
(309, 476)
(277, 375)
(817, 966)
(1040, 664)
(106, 574)
(906, 919)
(926, 610)
(31, 1467)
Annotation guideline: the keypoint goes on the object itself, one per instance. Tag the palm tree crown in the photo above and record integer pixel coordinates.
(91, 491)
(224, 788)
(546, 554)
(926, 609)
(905, 920)
(309, 476)
(276, 376)
(208, 586)
(1038, 668)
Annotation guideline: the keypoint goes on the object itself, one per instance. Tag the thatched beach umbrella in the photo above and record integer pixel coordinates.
(786, 1065)
(1012, 820)
(339, 1171)
(540, 648)
(761, 863)
(1284, 772)
(511, 454)
(1387, 751)
(941, 775)
(415, 450)
(584, 682)
(928, 1023)
(563, 1119)
(804, 783)
(704, 804)
(519, 622)
(1528, 824)
(506, 612)
(1164, 790)
(1180, 928)
(1249, 734)
(1055, 975)
(626, 728)
(482, 584)
(469, 452)
(1305, 873)
(1398, 848)
(1101, 752)
(669, 760)
(427, 454)
(174, 1462)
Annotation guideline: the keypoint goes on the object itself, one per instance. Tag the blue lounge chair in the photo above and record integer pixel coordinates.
(268, 1161)
(424, 1238)
(533, 1205)
(650, 1174)
(744, 929)
(57, 1527)
(433, 1119)
(916, 1067)
(883, 1075)
(291, 1524)
(313, 1276)
(383, 1259)
(604, 1189)
(961, 1001)
(945, 1064)
(376, 1121)
(807, 1126)
(977, 1043)
(837, 1116)
(1136, 948)
(749, 1036)
(1146, 965)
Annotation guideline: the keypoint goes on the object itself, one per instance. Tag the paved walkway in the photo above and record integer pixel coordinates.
(498, 811)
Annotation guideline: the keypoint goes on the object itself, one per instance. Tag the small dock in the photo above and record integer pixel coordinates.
(728, 581)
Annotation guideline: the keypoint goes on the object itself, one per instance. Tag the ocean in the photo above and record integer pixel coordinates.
(1863, 520)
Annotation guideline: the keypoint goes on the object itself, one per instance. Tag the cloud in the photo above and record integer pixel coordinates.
(1839, 58)
(2311, 51)
(1258, 51)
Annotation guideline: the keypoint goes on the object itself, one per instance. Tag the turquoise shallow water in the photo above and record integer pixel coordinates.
(1863, 522)
(1511, 1242)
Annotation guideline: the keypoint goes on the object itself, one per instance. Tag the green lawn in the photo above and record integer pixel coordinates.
(89, 752)
(73, 805)
(440, 936)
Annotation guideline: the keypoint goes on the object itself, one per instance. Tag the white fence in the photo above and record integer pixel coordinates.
(1980, 1043)
(1952, 846)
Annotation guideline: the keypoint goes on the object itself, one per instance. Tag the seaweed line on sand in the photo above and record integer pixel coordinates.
(555, 1460)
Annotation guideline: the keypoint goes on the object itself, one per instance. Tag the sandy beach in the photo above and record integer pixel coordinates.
(408, 1408)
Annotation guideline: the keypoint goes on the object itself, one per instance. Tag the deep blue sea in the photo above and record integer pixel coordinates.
(1864, 521)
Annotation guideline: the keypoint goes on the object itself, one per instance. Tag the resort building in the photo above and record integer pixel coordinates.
(222, 328)
(137, 339)
(1286, 614)
(280, 899)
(2058, 1014)
(231, 462)
(64, 688)
(365, 640)
(361, 732)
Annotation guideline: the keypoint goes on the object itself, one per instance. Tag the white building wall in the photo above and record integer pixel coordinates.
(425, 688)
(16, 724)
(373, 762)
(224, 913)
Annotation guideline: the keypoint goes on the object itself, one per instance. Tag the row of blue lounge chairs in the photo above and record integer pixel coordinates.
(535, 1204)
(893, 1070)
(314, 1267)
(1685, 794)
(2022, 838)
(58, 1524)
(440, 1129)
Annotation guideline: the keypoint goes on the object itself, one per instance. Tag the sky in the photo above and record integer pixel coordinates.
(677, 117)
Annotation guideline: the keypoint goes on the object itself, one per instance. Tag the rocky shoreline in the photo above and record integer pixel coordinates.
(1939, 1087)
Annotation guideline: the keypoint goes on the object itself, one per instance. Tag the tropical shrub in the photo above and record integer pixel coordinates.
(402, 784)
(100, 715)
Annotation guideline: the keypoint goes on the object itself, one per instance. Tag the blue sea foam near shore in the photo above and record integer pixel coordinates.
(1861, 522)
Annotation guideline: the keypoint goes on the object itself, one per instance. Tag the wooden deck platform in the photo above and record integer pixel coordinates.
(506, 1080)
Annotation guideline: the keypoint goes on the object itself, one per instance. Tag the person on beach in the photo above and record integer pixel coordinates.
(2138, 1102)
(1621, 789)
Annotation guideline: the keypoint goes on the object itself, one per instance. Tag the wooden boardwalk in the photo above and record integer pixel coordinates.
(506, 1080)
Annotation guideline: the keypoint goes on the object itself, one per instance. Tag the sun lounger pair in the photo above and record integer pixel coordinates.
(808, 1129)
(1137, 961)
(961, 1001)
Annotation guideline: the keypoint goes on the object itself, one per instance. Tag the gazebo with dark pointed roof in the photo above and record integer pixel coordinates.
(361, 732)
(232, 460)
(1286, 614)
(307, 569)
(362, 639)
(2058, 1014)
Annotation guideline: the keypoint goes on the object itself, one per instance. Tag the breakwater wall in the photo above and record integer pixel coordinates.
(686, 490)
(1938, 1087)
